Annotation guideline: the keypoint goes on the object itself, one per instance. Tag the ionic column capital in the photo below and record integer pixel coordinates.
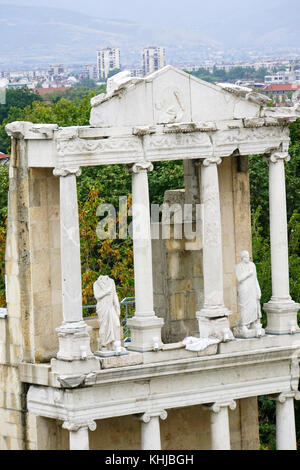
(146, 417)
(63, 171)
(209, 161)
(282, 397)
(217, 406)
(140, 167)
(74, 427)
(277, 156)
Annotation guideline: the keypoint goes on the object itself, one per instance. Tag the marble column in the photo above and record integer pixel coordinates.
(145, 326)
(150, 430)
(213, 307)
(219, 422)
(281, 309)
(74, 340)
(79, 434)
(285, 421)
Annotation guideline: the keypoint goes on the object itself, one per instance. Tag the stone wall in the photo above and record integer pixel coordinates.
(177, 264)
(33, 287)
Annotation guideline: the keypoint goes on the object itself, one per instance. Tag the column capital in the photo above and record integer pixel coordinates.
(277, 156)
(140, 167)
(282, 397)
(211, 161)
(74, 427)
(218, 405)
(65, 171)
(146, 417)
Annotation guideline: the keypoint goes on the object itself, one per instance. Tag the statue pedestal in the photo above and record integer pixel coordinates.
(108, 353)
(243, 332)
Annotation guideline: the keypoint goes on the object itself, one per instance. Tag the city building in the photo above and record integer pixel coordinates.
(107, 59)
(285, 76)
(154, 58)
(90, 71)
(281, 88)
(56, 70)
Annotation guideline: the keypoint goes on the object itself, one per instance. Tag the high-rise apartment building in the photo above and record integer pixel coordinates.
(107, 59)
(90, 71)
(153, 59)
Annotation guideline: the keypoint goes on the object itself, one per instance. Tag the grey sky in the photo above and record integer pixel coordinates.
(173, 13)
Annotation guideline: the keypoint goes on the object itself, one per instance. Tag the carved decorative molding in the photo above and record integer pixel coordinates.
(86, 146)
(170, 104)
(211, 161)
(141, 166)
(74, 427)
(168, 141)
(146, 417)
(216, 407)
(63, 172)
(282, 397)
(275, 157)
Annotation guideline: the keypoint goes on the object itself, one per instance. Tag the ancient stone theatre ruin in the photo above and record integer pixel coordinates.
(56, 392)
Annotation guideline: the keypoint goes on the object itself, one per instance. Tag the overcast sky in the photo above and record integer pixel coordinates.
(171, 13)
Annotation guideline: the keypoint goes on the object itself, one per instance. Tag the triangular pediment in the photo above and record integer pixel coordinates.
(171, 96)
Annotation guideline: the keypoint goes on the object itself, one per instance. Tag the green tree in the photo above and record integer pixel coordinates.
(18, 98)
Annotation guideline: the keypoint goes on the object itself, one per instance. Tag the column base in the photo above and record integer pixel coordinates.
(282, 317)
(145, 333)
(74, 353)
(216, 327)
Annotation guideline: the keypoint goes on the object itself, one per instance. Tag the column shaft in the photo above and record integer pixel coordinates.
(79, 440)
(74, 339)
(213, 317)
(281, 309)
(145, 326)
(142, 249)
(151, 434)
(278, 231)
(220, 432)
(212, 243)
(70, 250)
(285, 425)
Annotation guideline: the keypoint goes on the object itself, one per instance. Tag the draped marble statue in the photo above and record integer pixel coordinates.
(108, 311)
(249, 295)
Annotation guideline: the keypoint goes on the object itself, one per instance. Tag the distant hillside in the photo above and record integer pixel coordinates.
(37, 35)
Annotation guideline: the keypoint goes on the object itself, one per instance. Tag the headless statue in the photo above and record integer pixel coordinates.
(108, 311)
(249, 295)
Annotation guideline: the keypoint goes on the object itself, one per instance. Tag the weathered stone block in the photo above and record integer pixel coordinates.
(131, 359)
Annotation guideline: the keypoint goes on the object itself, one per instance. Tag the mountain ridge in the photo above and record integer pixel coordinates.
(41, 35)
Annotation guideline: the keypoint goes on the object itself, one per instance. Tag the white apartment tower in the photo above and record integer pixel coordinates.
(107, 59)
(153, 59)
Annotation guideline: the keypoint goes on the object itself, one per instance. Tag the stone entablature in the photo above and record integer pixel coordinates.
(86, 146)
